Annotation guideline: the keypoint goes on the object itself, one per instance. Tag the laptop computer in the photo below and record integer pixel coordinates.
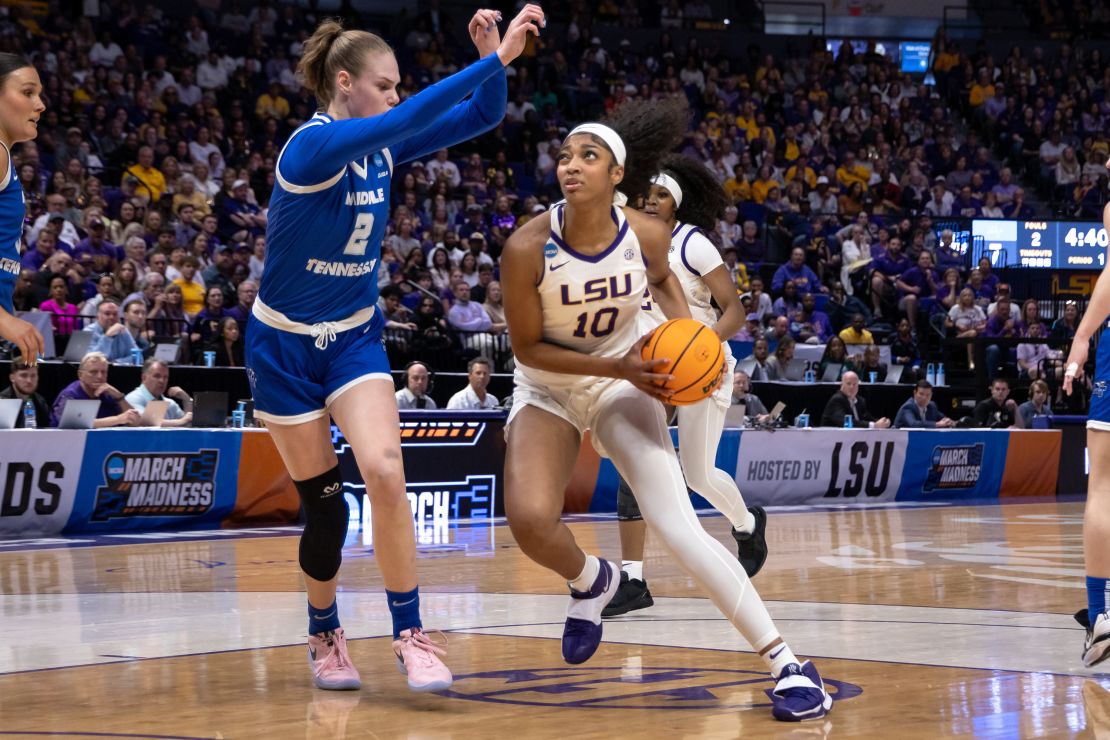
(78, 346)
(735, 415)
(832, 372)
(165, 352)
(9, 412)
(746, 365)
(154, 413)
(210, 409)
(79, 414)
(795, 370)
(894, 374)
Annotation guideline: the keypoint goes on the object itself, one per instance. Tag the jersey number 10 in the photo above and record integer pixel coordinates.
(606, 316)
(356, 245)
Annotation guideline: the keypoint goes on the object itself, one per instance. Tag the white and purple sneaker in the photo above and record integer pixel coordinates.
(582, 632)
(799, 694)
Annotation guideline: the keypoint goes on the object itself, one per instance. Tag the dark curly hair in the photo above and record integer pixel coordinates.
(649, 130)
(703, 197)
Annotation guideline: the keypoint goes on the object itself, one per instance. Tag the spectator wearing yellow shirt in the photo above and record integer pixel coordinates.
(801, 171)
(851, 172)
(763, 184)
(788, 148)
(946, 59)
(152, 183)
(192, 287)
(745, 120)
(857, 332)
(981, 89)
(737, 187)
(272, 104)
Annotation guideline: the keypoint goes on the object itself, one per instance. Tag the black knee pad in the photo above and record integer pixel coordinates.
(627, 508)
(326, 515)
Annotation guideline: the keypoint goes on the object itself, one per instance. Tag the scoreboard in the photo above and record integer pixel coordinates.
(1060, 245)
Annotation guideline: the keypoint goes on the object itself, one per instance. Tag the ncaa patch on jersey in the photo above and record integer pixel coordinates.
(550, 250)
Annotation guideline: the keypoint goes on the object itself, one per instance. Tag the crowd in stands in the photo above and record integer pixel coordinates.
(148, 186)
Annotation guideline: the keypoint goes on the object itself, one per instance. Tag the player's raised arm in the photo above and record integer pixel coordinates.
(337, 62)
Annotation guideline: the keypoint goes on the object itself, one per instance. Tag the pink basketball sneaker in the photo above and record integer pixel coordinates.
(418, 658)
(331, 665)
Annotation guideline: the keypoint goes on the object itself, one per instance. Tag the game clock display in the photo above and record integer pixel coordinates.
(1062, 245)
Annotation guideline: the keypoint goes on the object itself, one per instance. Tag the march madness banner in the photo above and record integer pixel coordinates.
(148, 479)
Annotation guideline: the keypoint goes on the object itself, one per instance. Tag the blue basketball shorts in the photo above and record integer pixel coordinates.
(1099, 415)
(293, 381)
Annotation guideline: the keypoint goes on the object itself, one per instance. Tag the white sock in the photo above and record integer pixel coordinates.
(747, 525)
(634, 568)
(784, 656)
(586, 578)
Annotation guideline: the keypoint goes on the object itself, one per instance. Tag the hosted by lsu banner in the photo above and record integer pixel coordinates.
(145, 479)
(812, 466)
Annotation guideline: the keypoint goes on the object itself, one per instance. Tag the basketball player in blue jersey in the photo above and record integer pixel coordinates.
(689, 200)
(574, 284)
(1096, 516)
(20, 107)
(315, 346)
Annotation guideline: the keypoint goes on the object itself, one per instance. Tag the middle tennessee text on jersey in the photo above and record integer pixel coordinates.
(330, 207)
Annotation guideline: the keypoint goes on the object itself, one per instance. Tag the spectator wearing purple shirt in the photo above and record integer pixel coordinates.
(1000, 325)
(35, 258)
(92, 383)
(810, 325)
(885, 268)
(990, 280)
(796, 271)
(750, 249)
(917, 287)
(105, 255)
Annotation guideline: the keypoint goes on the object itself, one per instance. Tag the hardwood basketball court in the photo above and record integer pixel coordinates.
(927, 621)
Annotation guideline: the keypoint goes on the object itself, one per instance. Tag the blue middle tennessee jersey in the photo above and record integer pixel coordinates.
(12, 212)
(323, 242)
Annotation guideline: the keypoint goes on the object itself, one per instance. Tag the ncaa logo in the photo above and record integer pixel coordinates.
(637, 688)
(114, 467)
(550, 250)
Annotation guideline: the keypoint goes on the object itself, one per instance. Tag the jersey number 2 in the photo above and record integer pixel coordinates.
(596, 328)
(356, 245)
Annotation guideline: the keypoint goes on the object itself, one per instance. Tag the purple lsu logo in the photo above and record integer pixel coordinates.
(598, 289)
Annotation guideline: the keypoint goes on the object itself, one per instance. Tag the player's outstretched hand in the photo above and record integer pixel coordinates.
(1073, 370)
(23, 335)
(483, 31)
(641, 373)
(528, 21)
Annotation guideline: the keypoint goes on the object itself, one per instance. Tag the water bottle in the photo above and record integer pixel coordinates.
(940, 374)
(209, 359)
(848, 421)
(29, 415)
(239, 416)
(137, 357)
(931, 374)
(810, 376)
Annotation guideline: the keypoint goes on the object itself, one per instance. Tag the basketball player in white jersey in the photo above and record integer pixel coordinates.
(689, 200)
(573, 285)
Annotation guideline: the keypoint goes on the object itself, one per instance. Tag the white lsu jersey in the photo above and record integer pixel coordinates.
(691, 256)
(591, 303)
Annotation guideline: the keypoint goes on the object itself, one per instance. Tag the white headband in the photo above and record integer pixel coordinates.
(664, 180)
(606, 134)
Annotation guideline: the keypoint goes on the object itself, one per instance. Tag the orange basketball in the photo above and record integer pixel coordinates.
(695, 358)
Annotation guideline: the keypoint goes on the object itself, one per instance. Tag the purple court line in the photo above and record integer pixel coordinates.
(62, 733)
